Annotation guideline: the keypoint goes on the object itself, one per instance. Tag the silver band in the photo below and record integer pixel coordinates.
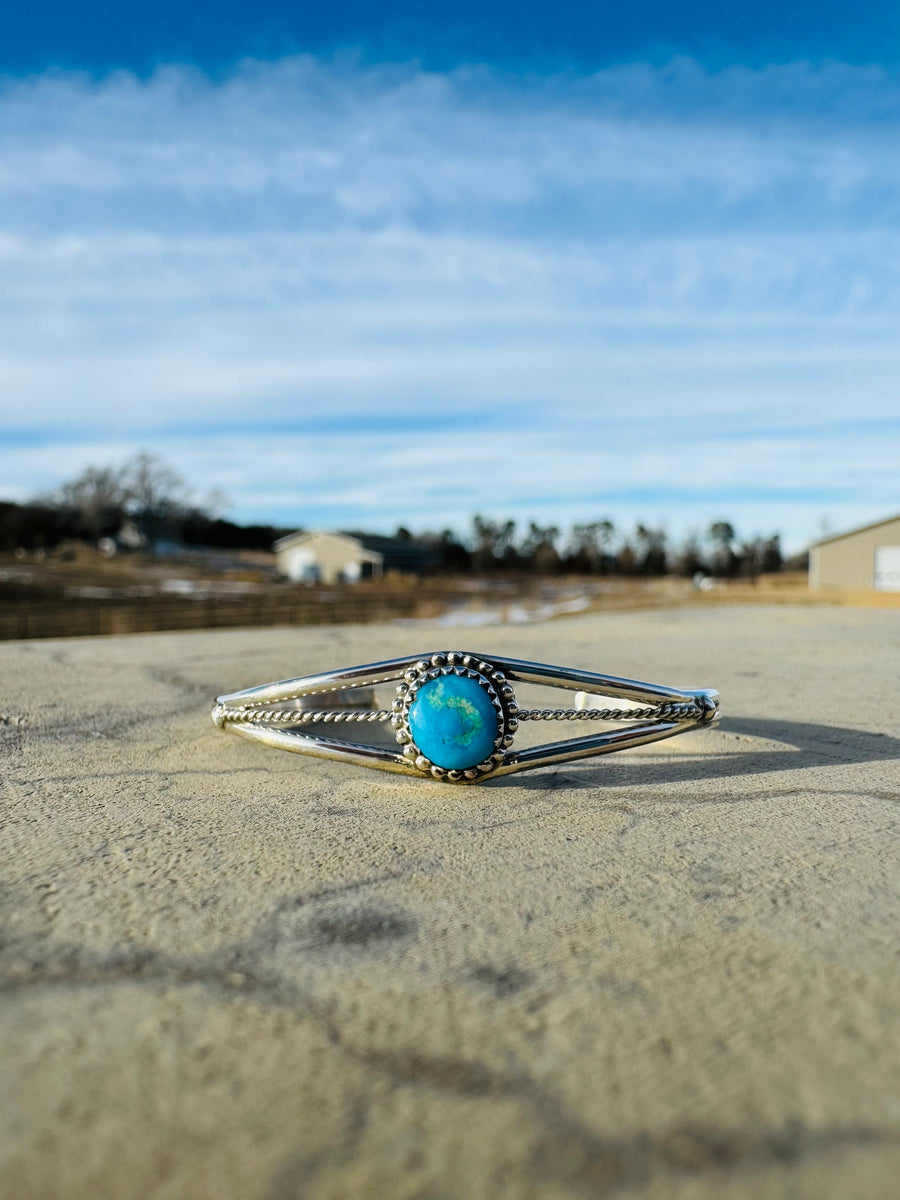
(287, 715)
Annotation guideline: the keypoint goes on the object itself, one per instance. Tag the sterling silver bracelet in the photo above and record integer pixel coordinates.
(454, 714)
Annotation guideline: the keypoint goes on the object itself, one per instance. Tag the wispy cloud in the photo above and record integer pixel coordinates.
(341, 291)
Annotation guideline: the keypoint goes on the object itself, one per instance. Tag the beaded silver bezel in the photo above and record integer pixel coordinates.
(472, 666)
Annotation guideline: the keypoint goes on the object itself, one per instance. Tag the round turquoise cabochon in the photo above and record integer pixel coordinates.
(453, 722)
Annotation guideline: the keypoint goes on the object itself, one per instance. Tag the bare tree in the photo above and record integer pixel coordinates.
(721, 535)
(97, 497)
(690, 558)
(493, 540)
(772, 557)
(539, 546)
(155, 492)
(215, 504)
(652, 560)
(626, 560)
(760, 556)
(153, 487)
(589, 544)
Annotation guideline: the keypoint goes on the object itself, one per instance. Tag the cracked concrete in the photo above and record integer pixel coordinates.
(671, 973)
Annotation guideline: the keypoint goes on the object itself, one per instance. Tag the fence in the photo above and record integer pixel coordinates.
(93, 618)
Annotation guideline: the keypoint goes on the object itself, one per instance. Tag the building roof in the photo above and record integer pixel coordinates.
(837, 537)
(399, 554)
(304, 535)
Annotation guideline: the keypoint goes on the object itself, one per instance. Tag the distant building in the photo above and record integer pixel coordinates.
(319, 556)
(866, 559)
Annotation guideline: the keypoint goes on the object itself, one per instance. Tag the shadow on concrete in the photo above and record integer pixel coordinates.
(801, 746)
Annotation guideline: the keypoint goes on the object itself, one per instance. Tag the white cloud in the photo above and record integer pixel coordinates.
(299, 280)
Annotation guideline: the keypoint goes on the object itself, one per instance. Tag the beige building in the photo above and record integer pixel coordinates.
(866, 559)
(321, 557)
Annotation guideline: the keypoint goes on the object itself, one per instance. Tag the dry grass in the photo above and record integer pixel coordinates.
(81, 594)
(793, 588)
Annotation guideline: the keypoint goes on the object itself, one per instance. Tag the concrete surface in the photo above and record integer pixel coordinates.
(671, 973)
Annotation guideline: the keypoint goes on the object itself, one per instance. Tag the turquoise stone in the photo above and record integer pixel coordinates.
(453, 722)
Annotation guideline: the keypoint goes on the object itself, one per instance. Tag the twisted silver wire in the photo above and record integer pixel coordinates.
(249, 715)
(296, 716)
(663, 712)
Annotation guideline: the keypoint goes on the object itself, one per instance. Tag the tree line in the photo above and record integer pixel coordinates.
(137, 505)
(145, 501)
(601, 548)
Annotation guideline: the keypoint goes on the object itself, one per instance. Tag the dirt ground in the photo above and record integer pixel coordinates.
(669, 974)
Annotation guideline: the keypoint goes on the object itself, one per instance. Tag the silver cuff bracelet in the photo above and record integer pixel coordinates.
(455, 714)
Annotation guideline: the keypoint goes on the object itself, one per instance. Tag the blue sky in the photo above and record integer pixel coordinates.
(518, 35)
(551, 263)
